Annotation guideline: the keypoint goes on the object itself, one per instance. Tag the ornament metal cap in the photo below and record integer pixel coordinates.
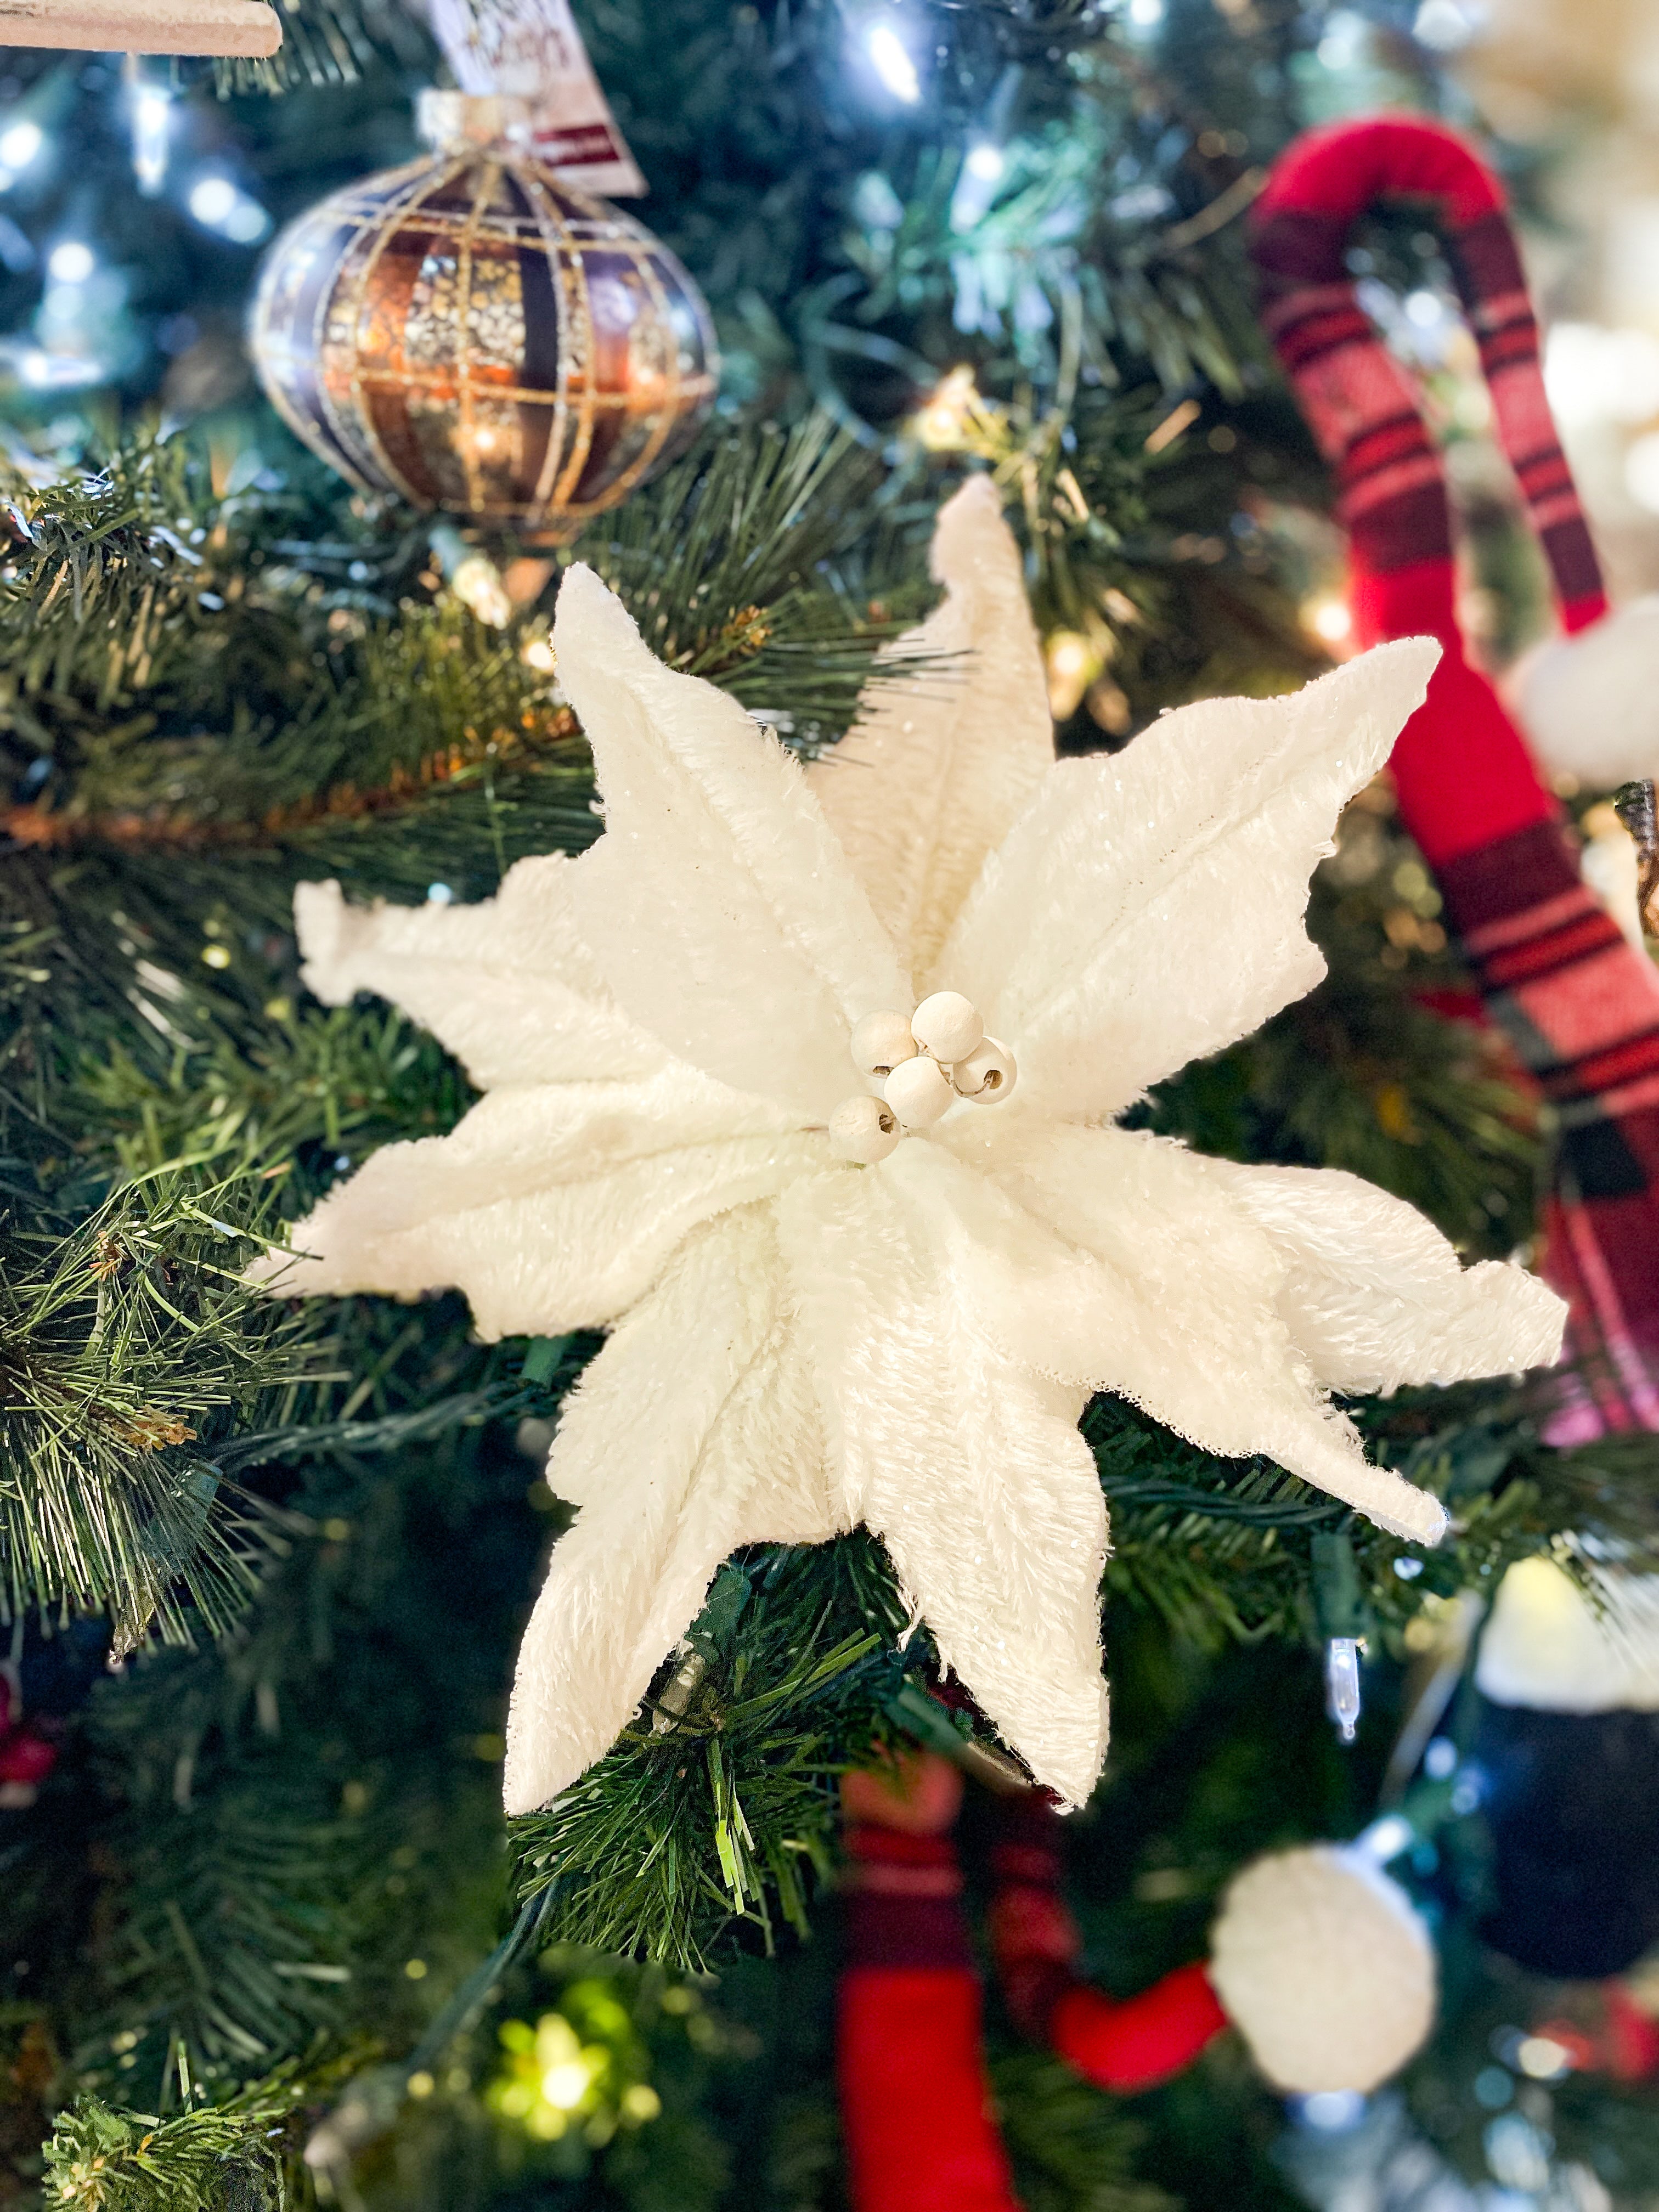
(449, 122)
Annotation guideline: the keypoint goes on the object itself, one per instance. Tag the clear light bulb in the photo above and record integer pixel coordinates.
(893, 63)
(1342, 1684)
(151, 124)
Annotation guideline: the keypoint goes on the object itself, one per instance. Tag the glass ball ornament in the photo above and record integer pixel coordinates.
(472, 333)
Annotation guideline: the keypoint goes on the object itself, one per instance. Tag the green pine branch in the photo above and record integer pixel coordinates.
(239, 2155)
(128, 1349)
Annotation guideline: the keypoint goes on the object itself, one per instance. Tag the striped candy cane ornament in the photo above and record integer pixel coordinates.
(1580, 1003)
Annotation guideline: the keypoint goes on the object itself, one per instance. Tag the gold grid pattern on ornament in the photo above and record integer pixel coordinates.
(462, 346)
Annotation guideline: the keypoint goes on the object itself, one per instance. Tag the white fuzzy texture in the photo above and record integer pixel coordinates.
(938, 764)
(1548, 1646)
(720, 907)
(1325, 1968)
(1161, 890)
(663, 1029)
(1589, 704)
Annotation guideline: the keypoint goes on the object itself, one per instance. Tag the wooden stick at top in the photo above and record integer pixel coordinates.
(245, 27)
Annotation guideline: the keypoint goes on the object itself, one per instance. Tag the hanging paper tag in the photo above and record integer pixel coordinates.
(531, 49)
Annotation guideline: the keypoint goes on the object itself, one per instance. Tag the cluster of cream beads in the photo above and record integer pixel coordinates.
(924, 1062)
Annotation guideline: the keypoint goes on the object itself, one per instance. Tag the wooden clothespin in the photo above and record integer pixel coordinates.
(244, 27)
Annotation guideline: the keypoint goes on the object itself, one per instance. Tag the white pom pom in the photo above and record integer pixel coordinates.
(1589, 704)
(947, 1026)
(881, 1043)
(987, 1074)
(919, 1092)
(1325, 1967)
(1547, 1646)
(863, 1130)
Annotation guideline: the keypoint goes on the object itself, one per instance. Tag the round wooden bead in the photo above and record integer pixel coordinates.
(919, 1091)
(947, 1026)
(863, 1130)
(987, 1074)
(881, 1043)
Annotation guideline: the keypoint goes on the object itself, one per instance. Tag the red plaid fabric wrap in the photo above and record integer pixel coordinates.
(1580, 1005)
(1364, 407)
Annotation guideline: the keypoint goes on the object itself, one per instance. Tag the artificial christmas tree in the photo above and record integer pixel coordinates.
(272, 1556)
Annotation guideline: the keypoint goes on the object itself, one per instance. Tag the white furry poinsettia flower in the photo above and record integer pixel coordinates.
(664, 1031)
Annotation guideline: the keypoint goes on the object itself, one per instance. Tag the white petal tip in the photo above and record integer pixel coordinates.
(1409, 1513)
(969, 531)
(586, 600)
(1412, 658)
(273, 1270)
(533, 1784)
(1434, 1522)
(1390, 681)
(1071, 1769)
(977, 495)
(323, 925)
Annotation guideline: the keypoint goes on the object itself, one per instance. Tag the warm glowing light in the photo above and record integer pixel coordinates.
(943, 423)
(1073, 664)
(893, 63)
(477, 583)
(538, 653)
(1329, 619)
(565, 2085)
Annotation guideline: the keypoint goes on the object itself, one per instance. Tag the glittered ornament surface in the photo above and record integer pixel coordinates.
(473, 334)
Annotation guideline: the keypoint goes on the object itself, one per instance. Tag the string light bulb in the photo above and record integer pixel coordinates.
(152, 129)
(893, 63)
(942, 423)
(1330, 619)
(20, 145)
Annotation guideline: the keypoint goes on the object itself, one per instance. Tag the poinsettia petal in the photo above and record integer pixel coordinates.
(1376, 1297)
(693, 1431)
(968, 1466)
(942, 759)
(552, 1207)
(718, 904)
(1180, 1311)
(1146, 908)
(507, 985)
